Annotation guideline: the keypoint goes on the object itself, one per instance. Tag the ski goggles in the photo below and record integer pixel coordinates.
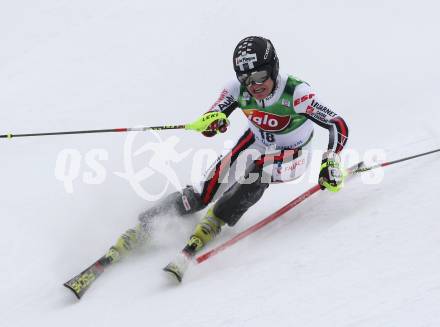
(257, 77)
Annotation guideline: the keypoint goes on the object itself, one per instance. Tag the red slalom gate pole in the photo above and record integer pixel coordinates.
(259, 225)
(352, 171)
(295, 202)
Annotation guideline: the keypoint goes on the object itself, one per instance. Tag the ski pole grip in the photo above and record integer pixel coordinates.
(202, 124)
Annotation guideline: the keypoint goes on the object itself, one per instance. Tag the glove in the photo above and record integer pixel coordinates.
(331, 176)
(218, 126)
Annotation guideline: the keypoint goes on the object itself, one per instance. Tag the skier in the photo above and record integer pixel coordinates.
(281, 110)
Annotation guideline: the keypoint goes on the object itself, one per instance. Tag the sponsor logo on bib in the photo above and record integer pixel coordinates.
(267, 121)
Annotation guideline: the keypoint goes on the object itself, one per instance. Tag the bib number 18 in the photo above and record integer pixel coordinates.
(268, 137)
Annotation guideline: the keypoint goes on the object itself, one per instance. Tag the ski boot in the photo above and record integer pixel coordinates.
(209, 227)
(131, 239)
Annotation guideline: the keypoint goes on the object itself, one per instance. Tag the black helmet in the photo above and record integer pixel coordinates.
(256, 53)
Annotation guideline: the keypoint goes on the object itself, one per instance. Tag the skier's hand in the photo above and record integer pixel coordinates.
(331, 176)
(218, 126)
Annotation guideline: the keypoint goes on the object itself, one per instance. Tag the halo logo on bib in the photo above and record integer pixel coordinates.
(267, 121)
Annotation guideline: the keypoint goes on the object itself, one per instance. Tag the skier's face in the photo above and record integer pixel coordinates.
(261, 91)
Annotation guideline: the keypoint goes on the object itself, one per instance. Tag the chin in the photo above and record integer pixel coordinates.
(256, 95)
(260, 96)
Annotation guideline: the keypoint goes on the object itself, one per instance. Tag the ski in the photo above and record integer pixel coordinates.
(176, 268)
(82, 282)
(174, 272)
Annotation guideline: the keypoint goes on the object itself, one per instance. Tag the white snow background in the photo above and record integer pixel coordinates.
(367, 256)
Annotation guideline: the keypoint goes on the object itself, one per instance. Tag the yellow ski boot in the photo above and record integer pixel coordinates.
(209, 227)
(128, 241)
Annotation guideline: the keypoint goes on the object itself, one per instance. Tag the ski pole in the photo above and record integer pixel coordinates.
(200, 125)
(352, 171)
(389, 163)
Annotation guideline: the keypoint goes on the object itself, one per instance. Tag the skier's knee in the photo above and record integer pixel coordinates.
(189, 201)
(237, 200)
(182, 203)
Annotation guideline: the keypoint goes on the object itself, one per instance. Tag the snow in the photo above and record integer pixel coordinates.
(367, 256)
